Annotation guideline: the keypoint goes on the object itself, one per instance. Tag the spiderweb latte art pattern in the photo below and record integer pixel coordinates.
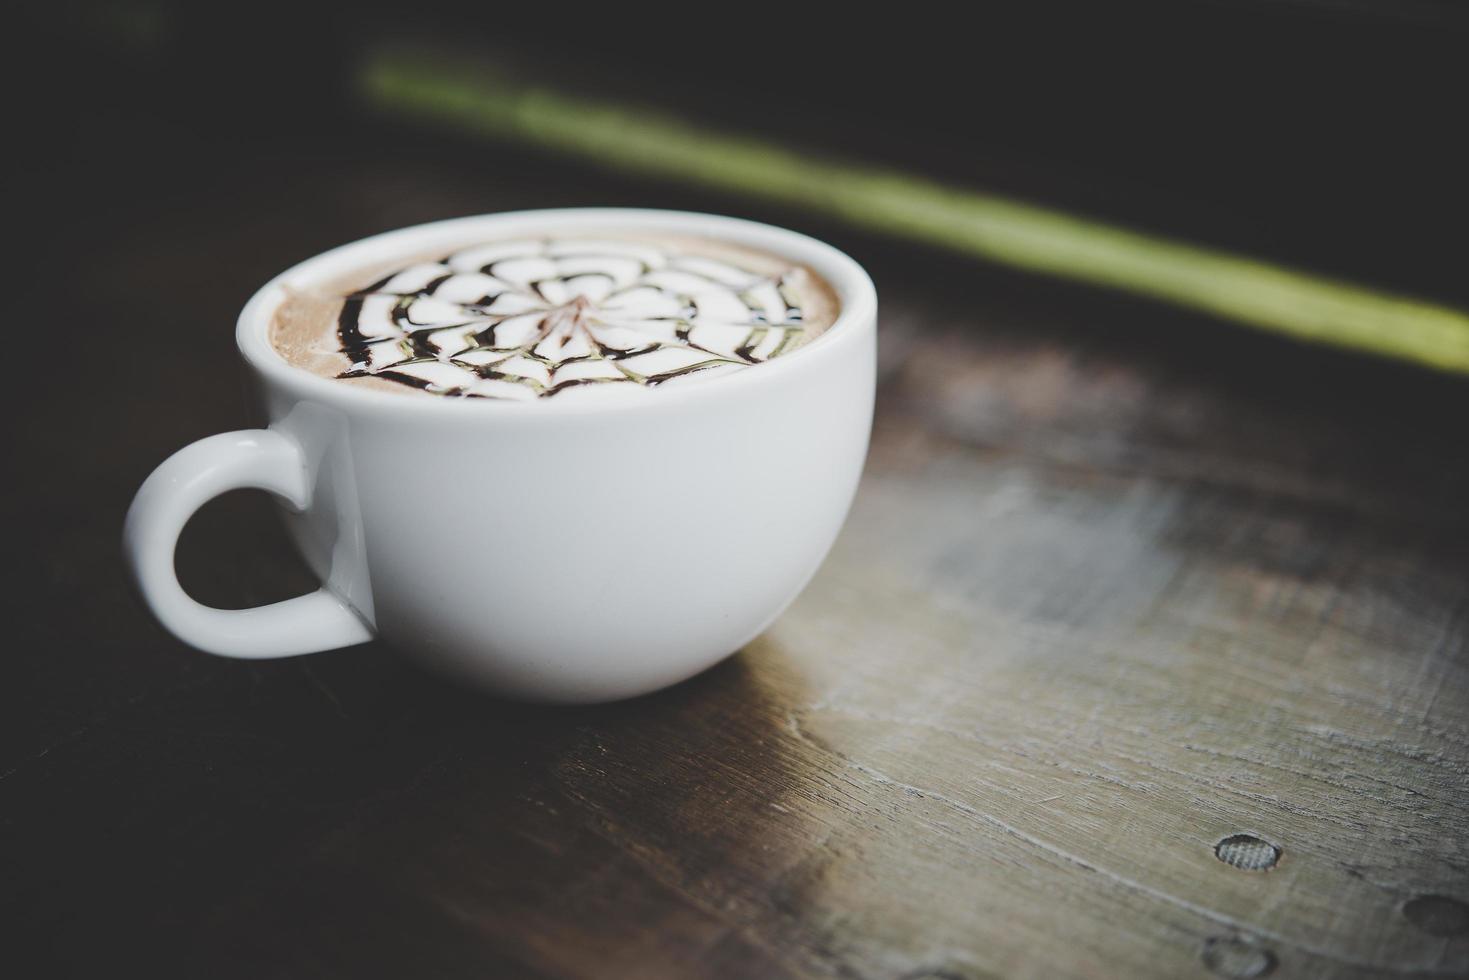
(533, 318)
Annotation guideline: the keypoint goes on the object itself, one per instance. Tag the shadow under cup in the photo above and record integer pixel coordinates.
(565, 551)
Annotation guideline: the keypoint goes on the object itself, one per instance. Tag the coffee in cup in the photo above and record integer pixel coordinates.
(536, 318)
(567, 456)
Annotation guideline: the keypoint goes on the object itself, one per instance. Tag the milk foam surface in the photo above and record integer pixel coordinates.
(542, 317)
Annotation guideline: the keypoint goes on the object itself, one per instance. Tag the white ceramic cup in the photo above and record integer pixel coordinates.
(555, 550)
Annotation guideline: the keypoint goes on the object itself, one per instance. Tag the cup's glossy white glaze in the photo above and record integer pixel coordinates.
(558, 550)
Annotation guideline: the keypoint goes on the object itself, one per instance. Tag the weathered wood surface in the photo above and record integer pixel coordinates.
(1117, 585)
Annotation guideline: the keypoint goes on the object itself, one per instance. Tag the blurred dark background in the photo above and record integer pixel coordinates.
(1326, 133)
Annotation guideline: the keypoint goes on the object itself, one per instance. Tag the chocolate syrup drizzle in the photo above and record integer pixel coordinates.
(534, 318)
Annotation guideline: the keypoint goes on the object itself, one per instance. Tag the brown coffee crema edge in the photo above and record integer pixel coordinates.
(303, 328)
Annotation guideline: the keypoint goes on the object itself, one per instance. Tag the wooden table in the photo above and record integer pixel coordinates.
(1120, 584)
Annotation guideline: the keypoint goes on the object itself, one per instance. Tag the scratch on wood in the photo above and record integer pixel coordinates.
(317, 683)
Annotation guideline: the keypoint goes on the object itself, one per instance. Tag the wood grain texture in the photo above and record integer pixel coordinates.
(1115, 587)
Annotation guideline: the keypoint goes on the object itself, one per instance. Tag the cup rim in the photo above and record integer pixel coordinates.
(854, 288)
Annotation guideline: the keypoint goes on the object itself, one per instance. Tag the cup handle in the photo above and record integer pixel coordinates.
(190, 478)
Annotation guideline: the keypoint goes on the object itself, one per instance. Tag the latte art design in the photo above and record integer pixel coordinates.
(532, 318)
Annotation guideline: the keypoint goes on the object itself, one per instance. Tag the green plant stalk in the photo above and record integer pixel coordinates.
(1234, 287)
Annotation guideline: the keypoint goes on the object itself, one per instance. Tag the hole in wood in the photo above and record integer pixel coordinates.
(1240, 959)
(1438, 915)
(1247, 852)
